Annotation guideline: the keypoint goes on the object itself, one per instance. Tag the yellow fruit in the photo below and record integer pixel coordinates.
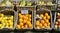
(2, 15)
(41, 15)
(11, 17)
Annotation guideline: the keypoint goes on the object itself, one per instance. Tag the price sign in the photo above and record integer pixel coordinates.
(24, 11)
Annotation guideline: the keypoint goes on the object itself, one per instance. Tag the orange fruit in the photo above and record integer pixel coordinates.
(20, 20)
(46, 14)
(27, 15)
(37, 23)
(47, 21)
(28, 22)
(19, 14)
(21, 24)
(48, 17)
(44, 17)
(29, 19)
(26, 26)
(22, 27)
(30, 26)
(30, 16)
(24, 21)
(18, 26)
(42, 21)
(41, 15)
(45, 24)
(48, 27)
(40, 25)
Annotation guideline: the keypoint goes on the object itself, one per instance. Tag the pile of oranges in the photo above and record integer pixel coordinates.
(25, 21)
(43, 22)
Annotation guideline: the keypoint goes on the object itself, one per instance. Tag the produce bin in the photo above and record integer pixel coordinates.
(43, 20)
(57, 21)
(25, 18)
(7, 19)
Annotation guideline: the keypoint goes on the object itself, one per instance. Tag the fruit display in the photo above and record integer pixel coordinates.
(24, 21)
(6, 21)
(24, 3)
(6, 3)
(57, 22)
(42, 21)
(44, 3)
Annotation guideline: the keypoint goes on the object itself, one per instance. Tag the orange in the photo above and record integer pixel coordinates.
(46, 14)
(48, 17)
(19, 14)
(18, 26)
(28, 22)
(27, 15)
(21, 24)
(20, 20)
(26, 26)
(29, 19)
(22, 27)
(41, 15)
(47, 21)
(44, 17)
(30, 26)
(45, 24)
(24, 21)
(48, 27)
(40, 25)
(42, 21)
(37, 22)
(30, 16)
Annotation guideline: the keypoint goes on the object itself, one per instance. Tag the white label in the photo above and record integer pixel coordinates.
(24, 11)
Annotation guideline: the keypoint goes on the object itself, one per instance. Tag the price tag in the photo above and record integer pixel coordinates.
(24, 11)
